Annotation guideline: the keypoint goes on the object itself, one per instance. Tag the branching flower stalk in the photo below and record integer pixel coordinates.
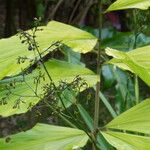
(33, 45)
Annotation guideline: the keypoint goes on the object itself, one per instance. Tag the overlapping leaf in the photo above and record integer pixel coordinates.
(137, 61)
(24, 91)
(11, 48)
(124, 141)
(136, 121)
(125, 41)
(102, 143)
(46, 137)
(128, 4)
(79, 40)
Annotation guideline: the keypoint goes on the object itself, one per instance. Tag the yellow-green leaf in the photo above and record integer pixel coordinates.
(135, 119)
(59, 70)
(45, 137)
(124, 141)
(11, 48)
(136, 61)
(131, 129)
(128, 4)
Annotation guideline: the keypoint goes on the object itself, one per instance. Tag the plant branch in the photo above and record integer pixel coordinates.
(55, 9)
(136, 82)
(97, 99)
(51, 80)
(74, 10)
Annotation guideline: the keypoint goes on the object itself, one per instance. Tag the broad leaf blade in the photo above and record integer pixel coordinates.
(135, 119)
(124, 141)
(137, 61)
(128, 4)
(46, 137)
(79, 40)
(59, 70)
(11, 48)
(86, 117)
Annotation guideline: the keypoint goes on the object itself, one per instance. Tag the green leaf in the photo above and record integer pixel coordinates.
(107, 104)
(79, 40)
(108, 76)
(124, 141)
(135, 119)
(128, 4)
(136, 61)
(68, 96)
(71, 56)
(11, 48)
(101, 142)
(86, 117)
(125, 94)
(131, 129)
(59, 70)
(125, 41)
(46, 137)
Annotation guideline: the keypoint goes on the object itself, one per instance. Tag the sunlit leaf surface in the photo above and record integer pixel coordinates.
(24, 91)
(128, 4)
(12, 48)
(46, 137)
(137, 61)
(131, 129)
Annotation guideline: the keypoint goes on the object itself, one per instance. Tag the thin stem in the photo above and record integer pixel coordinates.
(54, 44)
(50, 78)
(60, 115)
(74, 10)
(63, 117)
(29, 86)
(136, 89)
(136, 83)
(23, 95)
(97, 99)
(135, 29)
(56, 8)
